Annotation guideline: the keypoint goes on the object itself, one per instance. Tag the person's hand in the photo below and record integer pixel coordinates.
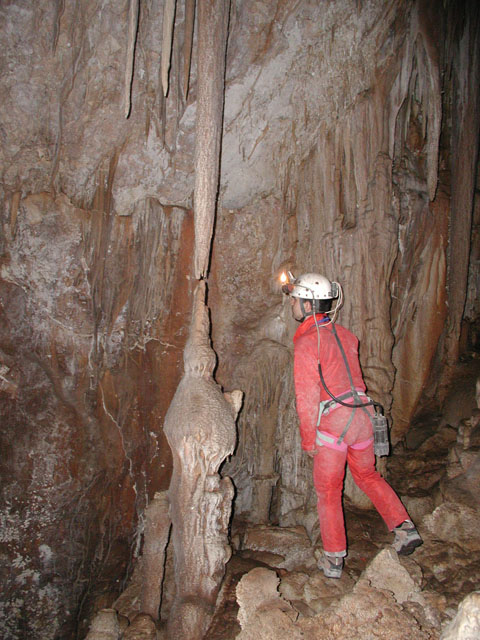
(312, 453)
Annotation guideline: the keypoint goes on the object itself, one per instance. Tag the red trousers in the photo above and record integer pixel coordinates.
(328, 475)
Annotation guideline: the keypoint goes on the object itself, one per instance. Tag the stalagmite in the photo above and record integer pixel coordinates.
(200, 422)
(157, 528)
(212, 39)
(200, 428)
(167, 39)
(132, 36)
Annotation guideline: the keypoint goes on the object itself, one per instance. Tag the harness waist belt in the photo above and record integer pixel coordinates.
(330, 405)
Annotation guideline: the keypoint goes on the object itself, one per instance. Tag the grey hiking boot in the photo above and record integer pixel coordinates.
(331, 566)
(407, 538)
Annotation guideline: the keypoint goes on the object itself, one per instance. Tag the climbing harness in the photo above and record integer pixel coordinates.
(379, 422)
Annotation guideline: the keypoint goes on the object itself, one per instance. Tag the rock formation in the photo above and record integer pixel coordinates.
(105, 626)
(213, 19)
(157, 530)
(263, 613)
(200, 428)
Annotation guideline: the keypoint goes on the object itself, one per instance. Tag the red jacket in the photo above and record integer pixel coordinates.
(309, 390)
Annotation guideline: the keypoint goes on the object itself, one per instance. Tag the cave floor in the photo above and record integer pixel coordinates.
(446, 572)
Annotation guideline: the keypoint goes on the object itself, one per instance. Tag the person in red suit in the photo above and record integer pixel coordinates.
(335, 417)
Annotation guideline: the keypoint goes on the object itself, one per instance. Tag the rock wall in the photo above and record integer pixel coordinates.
(334, 135)
(366, 198)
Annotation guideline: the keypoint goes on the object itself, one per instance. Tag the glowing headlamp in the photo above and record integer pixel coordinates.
(288, 281)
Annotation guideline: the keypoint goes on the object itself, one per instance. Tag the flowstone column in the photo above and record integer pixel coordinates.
(200, 428)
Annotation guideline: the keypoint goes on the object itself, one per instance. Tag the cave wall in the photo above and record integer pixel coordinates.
(94, 305)
(367, 200)
(347, 128)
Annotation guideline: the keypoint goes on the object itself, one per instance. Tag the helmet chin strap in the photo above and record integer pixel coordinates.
(304, 312)
(313, 305)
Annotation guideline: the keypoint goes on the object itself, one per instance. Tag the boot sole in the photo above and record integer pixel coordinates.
(332, 575)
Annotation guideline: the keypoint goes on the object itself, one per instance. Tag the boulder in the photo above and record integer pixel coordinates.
(466, 624)
(263, 613)
(455, 524)
(292, 543)
(367, 613)
(386, 572)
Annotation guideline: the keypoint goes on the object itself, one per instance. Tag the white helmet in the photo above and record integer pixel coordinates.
(311, 286)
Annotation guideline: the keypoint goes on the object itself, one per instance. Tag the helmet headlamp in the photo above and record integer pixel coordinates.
(288, 282)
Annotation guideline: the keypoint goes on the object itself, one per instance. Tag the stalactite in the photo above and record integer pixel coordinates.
(212, 40)
(433, 101)
(132, 37)
(167, 39)
(59, 9)
(187, 44)
(162, 114)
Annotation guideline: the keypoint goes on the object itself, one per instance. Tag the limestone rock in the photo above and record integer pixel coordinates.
(386, 572)
(460, 484)
(418, 506)
(461, 401)
(104, 626)
(141, 628)
(367, 613)
(463, 487)
(321, 592)
(128, 603)
(263, 613)
(200, 428)
(466, 624)
(455, 523)
(330, 161)
(292, 543)
(292, 585)
(157, 529)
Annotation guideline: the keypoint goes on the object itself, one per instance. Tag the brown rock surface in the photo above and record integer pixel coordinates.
(456, 524)
(349, 146)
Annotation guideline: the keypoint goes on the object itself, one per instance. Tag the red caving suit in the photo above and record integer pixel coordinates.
(357, 446)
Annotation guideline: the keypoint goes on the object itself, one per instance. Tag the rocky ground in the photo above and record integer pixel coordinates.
(380, 594)
(423, 590)
(274, 590)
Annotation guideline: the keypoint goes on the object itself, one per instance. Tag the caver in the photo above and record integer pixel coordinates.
(339, 423)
